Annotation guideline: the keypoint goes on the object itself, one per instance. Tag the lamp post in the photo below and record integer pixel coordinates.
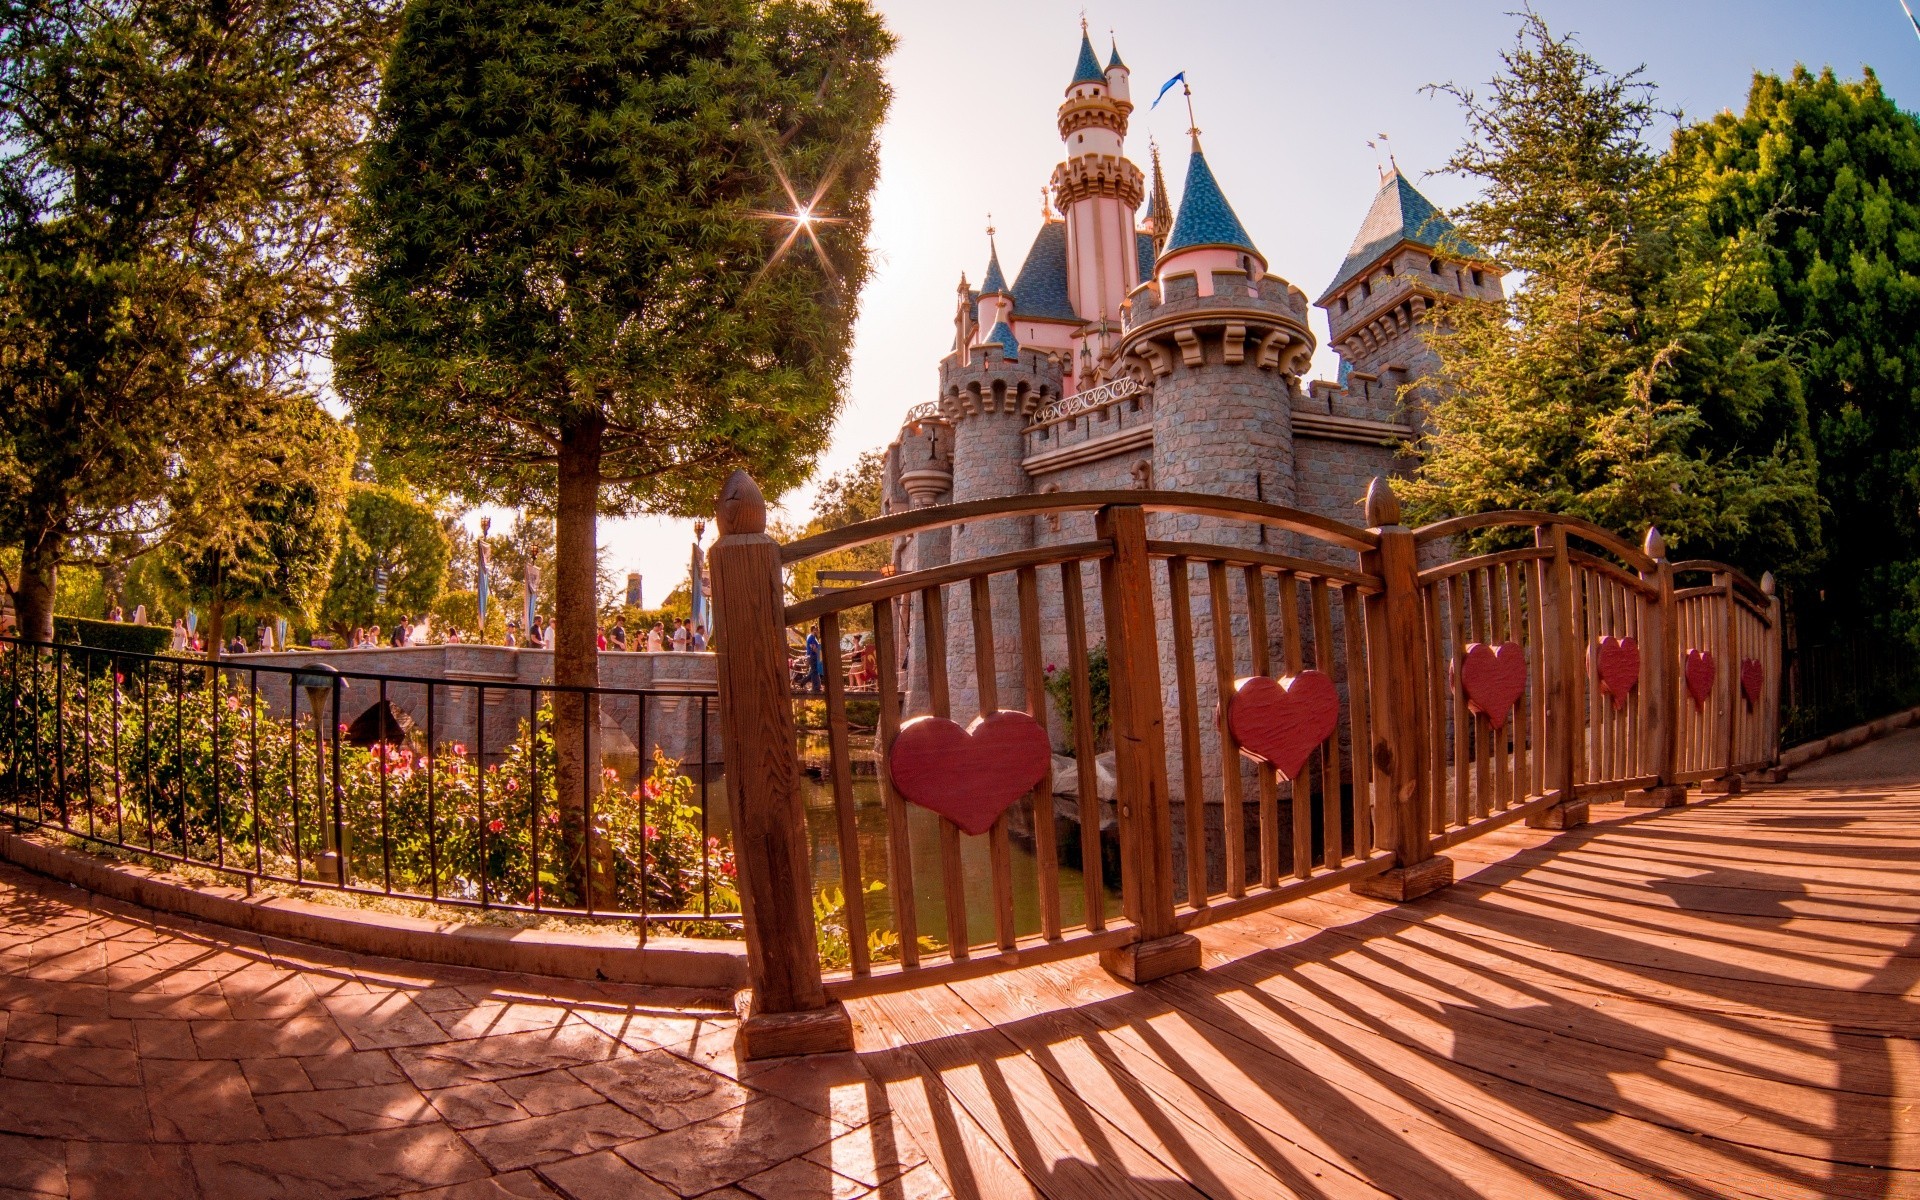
(486, 553)
(322, 684)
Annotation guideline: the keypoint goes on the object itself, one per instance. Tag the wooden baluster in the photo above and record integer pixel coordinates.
(899, 835)
(1359, 717)
(1400, 721)
(1233, 815)
(1517, 629)
(788, 1012)
(1301, 808)
(841, 767)
(1332, 841)
(1566, 713)
(1192, 774)
(1436, 668)
(1046, 855)
(1770, 733)
(1140, 744)
(1465, 723)
(1727, 650)
(987, 688)
(1260, 642)
(1499, 757)
(953, 876)
(1662, 656)
(1483, 734)
(1074, 605)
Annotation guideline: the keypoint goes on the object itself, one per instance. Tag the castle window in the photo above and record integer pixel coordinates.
(1434, 266)
(1366, 290)
(1476, 279)
(1136, 404)
(1343, 304)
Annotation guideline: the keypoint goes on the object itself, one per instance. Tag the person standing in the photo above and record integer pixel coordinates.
(699, 637)
(179, 634)
(656, 639)
(681, 635)
(816, 663)
(619, 636)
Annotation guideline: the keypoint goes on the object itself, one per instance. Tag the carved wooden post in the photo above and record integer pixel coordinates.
(1662, 677)
(1397, 657)
(1565, 674)
(1140, 755)
(788, 1011)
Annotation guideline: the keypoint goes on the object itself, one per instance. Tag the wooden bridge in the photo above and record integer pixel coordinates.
(1708, 1001)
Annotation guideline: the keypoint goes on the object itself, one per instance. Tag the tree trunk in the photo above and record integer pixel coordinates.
(33, 597)
(216, 625)
(576, 660)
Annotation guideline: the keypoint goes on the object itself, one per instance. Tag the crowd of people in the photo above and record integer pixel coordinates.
(681, 635)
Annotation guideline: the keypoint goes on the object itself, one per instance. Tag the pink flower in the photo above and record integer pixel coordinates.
(496, 825)
(650, 789)
(513, 785)
(1049, 668)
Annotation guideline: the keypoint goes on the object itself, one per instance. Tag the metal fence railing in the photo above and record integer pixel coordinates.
(593, 803)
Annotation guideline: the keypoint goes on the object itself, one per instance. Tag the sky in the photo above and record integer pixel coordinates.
(1287, 93)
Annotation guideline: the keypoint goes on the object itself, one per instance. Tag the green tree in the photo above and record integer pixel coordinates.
(1631, 377)
(274, 559)
(392, 563)
(579, 292)
(1826, 174)
(845, 498)
(172, 178)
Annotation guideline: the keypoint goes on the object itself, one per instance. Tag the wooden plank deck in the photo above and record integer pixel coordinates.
(1711, 1001)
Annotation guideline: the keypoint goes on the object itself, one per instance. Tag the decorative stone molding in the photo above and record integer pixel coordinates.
(1088, 175)
(1139, 437)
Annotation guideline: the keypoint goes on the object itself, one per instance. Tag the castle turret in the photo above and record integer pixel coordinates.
(1098, 190)
(1222, 343)
(1406, 259)
(1159, 222)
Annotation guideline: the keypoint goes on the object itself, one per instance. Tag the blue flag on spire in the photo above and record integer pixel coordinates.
(1180, 78)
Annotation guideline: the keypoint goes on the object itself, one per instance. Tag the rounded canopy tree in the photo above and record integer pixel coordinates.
(392, 563)
(612, 250)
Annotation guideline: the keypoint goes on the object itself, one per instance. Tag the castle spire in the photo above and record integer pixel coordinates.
(1206, 219)
(1159, 210)
(996, 281)
(1087, 70)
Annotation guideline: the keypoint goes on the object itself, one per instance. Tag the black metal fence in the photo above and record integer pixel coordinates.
(1843, 681)
(453, 791)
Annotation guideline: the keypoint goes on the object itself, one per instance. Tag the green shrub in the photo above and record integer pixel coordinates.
(112, 635)
(1099, 689)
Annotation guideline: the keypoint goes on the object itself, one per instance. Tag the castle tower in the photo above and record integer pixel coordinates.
(988, 390)
(1222, 344)
(1098, 189)
(1406, 259)
(1159, 222)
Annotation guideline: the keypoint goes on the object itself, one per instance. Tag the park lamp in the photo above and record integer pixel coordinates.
(322, 684)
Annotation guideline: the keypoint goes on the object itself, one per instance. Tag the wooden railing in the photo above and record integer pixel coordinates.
(1296, 704)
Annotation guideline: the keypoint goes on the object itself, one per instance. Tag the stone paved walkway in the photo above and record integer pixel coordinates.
(147, 1057)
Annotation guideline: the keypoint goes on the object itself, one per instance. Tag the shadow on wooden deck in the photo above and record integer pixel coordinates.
(1703, 1002)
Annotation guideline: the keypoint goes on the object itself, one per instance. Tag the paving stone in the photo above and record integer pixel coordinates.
(520, 1185)
(34, 1027)
(102, 1032)
(33, 1164)
(70, 1064)
(70, 1110)
(488, 1019)
(921, 1183)
(549, 1092)
(495, 1058)
(354, 1068)
(164, 1039)
(202, 1101)
(385, 1162)
(266, 1076)
(835, 1085)
(199, 1006)
(474, 1104)
(345, 1110)
(602, 1176)
(725, 1149)
(569, 1134)
(294, 1036)
(381, 1021)
(666, 1090)
(122, 1170)
(799, 1179)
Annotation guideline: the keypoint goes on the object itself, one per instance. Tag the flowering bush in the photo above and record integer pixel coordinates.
(183, 762)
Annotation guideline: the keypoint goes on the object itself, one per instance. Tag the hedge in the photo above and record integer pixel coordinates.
(113, 635)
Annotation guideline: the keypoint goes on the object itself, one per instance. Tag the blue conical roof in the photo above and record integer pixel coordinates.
(1004, 337)
(1087, 70)
(1399, 214)
(995, 281)
(1113, 60)
(1206, 219)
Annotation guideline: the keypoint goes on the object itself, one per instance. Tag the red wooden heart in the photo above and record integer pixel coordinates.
(971, 775)
(1281, 722)
(1753, 677)
(1494, 678)
(1616, 661)
(1700, 671)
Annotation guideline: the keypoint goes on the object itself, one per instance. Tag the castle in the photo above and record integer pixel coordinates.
(1142, 347)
